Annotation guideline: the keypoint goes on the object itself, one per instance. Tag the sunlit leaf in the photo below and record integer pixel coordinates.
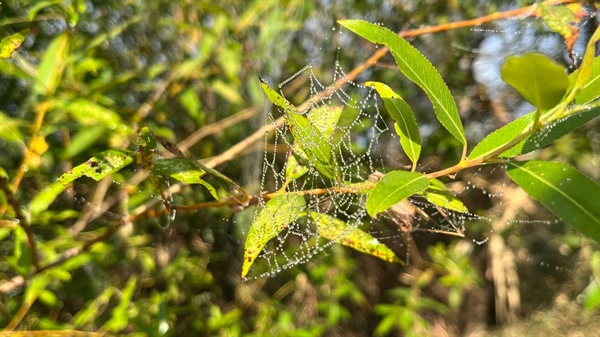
(553, 131)
(87, 112)
(540, 80)
(558, 19)
(437, 194)
(90, 311)
(52, 65)
(307, 135)
(119, 316)
(9, 129)
(501, 137)
(83, 139)
(394, 187)
(339, 231)
(564, 190)
(10, 43)
(184, 171)
(417, 69)
(591, 88)
(278, 213)
(293, 169)
(99, 166)
(587, 62)
(38, 6)
(406, 124)
(325, 118)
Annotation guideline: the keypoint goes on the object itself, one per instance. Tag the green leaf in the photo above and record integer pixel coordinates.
(553, 131)
(558, 19)
(590, 90)
(564, 190)
(293, 169)
(417, 69)
(504, 135)
(339, 231)
(90, 311)
(52, 65)
(184, 171)
(10, 43)
(33, 10)
(99, 166)
(406, 124)
(119, 316)
(89, 113)
(307, 135)
(585, 69)
(393, 188)
(278, 213)
(540, 80)
(9, 129)
(83, 139)
(325, 118)
(437, 194)
(41, 201)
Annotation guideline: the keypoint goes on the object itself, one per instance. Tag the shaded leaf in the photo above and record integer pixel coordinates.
(564, 190)
(504, 135)
(339, 231)
(119, 316)
(551, 132)
(184, 171)
(394, 187)
(89, 113)
(406, 124)
(10, 43)
(587, 63)
(540, 80)
(417, 69)
(99, 166)
(278, 213)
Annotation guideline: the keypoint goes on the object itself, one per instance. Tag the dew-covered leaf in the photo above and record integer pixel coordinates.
(394, 187)
(551, 132)
(339, 231)
(417, 69)
(306, 135)
(99, 166)
(540, 80)
(406, 124)
(183, 171)
(564, 190)
(591, 88)
(504, 135)
(278, 213)
(10, 43)
(437, 194)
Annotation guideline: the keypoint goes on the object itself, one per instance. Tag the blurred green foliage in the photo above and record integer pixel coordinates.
(90, 73)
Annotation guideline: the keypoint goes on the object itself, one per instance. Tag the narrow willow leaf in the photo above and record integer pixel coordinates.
(437, 194)
(99, 166)
(393, 188)
(417, 69)
(591, 88)
(564, 190)
(325, 118)
(307, 136)
(182, 170)
(540, 80)
(504, 135)
(52, 65)
(42, 200)
(551, 132)
(339, 231)
(406, 124)
(119, 317)
(278, 213)
(585, 69)
(10, 43)
(89, 113)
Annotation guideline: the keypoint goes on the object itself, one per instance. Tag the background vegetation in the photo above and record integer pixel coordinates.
(91, 73)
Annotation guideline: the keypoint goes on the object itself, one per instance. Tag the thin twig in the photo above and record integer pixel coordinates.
(23, 222)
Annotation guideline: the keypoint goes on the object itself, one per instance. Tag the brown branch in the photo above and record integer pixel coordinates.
(23, 222)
